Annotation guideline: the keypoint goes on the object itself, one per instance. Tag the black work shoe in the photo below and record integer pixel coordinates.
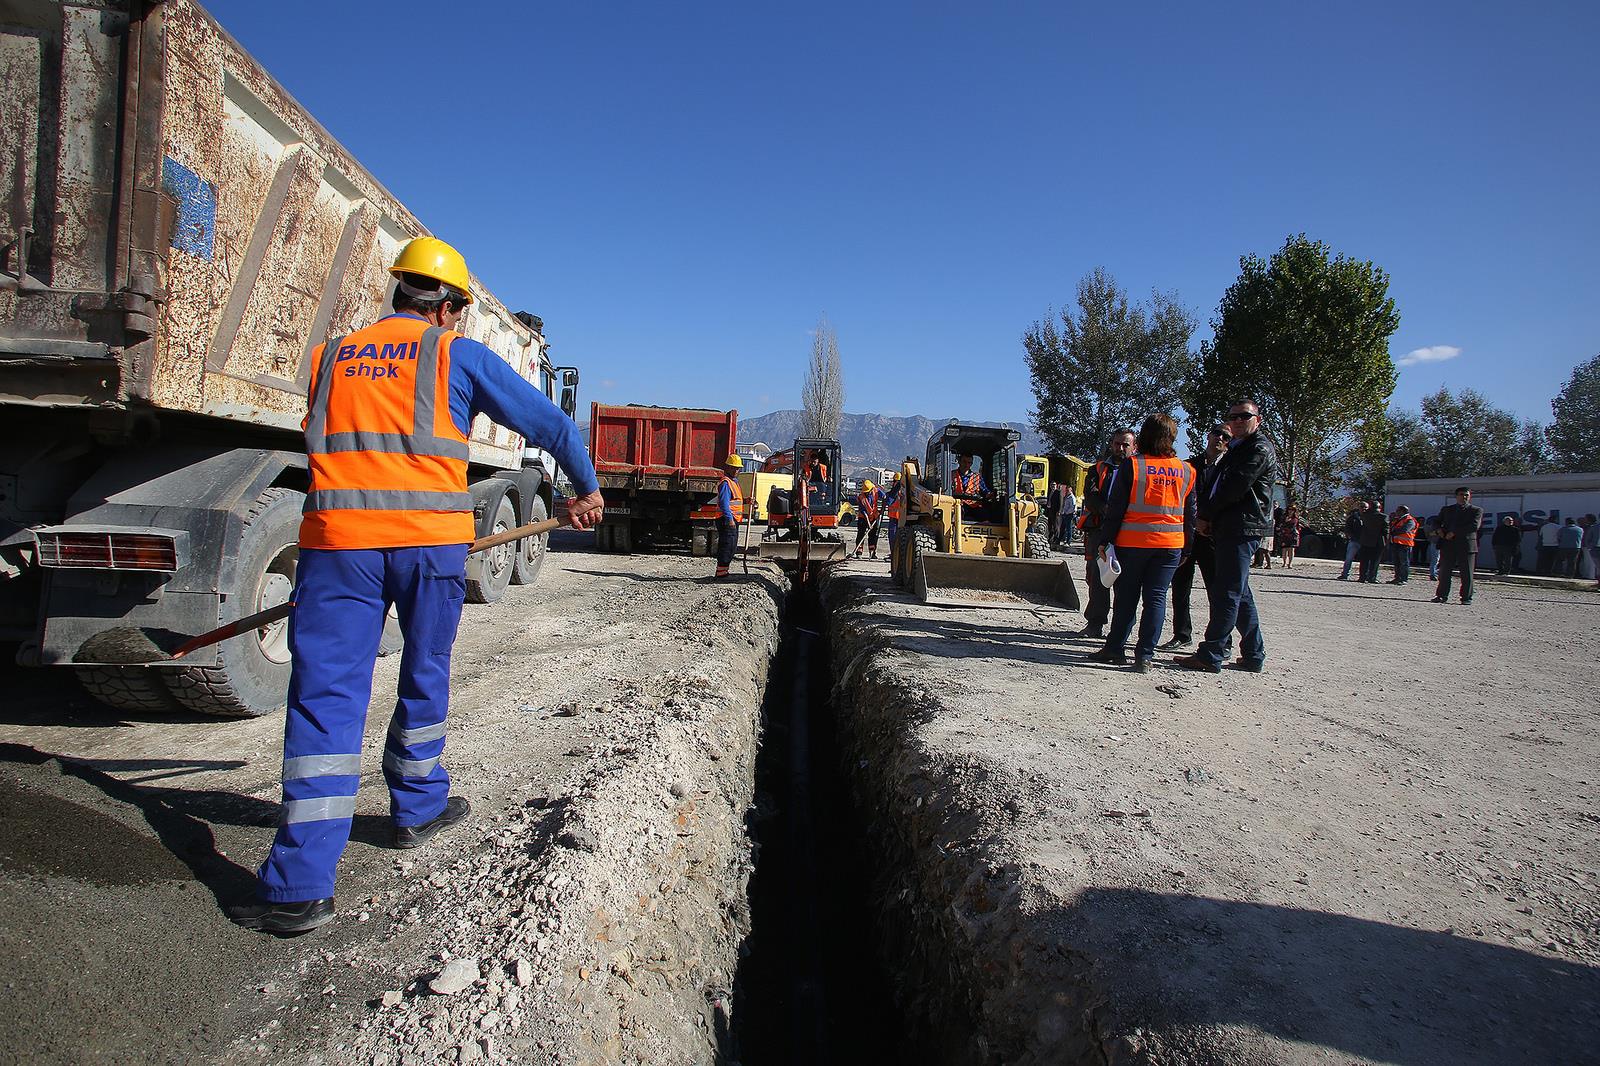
(1097, 632)
(1110, 658)
(1249, 666)
(284, 919)
(455, 812)
(1195, 662)
(1141, 666)
(1440, 599)
(1175, 643)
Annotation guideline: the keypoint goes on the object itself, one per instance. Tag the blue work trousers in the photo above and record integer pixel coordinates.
(341, 601)
(1146, 575)
(1233, 605)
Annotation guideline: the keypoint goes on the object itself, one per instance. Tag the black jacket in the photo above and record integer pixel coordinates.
(1374, 529)
(1464, 522)
(1507, 536)
(1239, 501)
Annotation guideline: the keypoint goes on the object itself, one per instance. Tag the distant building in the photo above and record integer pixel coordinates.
(755, 452)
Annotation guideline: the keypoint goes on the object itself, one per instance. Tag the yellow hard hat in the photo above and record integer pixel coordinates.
(432, 258)
(734, 461)
(868, 483)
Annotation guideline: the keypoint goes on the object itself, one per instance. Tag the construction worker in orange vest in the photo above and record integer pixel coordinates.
(869, 512)
(968, 485)
(1149, 517)
(1403, 527)
(387, 522)
(893, 500)
(730, 512)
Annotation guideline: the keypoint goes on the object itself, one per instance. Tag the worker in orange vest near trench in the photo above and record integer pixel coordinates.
(730, 512)
(1148, 520)
(1402, 542)
(388, 520)
(895, 501)
(869, 513)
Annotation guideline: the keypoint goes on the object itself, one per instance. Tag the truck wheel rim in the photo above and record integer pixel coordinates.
(277, 586)
(500, 557)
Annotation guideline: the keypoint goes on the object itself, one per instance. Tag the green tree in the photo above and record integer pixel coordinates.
(1575, 434)
(1456, 435)
(1306, 336)
(1108, 364)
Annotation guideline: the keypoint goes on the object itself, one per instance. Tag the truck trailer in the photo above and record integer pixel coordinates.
(180, 235)
(659, 470)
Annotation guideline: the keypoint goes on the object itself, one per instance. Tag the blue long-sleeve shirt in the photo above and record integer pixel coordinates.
(725, 502)
(483, 383)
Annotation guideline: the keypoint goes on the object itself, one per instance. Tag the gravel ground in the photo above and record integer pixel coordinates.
(1384, 849)
(604, 725)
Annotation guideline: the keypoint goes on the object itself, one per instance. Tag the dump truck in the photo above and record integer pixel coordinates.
(659, 470)
(179, 235)
(977, 549)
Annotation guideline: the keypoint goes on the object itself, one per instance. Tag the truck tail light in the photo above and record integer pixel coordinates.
(100, 549)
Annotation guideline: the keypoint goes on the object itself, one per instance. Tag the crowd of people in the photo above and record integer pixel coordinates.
(1399, 537)
(1149, 519)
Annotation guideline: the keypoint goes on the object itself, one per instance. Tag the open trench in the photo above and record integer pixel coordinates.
(810, 985)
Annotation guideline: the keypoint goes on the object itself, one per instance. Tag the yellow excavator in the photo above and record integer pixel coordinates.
(970, 541)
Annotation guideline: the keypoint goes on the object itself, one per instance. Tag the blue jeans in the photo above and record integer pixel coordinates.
(1146, 575)
(1233, 605)
(341, 599)
(1433, 560)
(1350, 550)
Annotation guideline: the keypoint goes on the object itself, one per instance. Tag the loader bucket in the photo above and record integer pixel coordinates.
(949, 580)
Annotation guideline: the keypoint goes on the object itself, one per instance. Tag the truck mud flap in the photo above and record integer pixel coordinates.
(948, 580)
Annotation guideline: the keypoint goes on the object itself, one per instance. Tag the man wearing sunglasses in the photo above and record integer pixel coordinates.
(1236, 512)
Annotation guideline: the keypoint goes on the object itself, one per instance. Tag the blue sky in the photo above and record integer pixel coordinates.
(681, 189)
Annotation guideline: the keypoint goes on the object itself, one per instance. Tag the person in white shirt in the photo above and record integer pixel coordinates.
(1549, 541)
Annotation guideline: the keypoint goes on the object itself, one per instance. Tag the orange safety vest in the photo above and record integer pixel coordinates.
(1154, 518)
(968, 484)
(735, 501)
(388, 464)
(1403, 531)
(894, 505)
(869, 505)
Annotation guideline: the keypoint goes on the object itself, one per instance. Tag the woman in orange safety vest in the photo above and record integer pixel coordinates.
(1148, 520)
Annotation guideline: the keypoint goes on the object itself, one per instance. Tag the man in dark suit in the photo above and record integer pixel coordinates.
(1458, 544)
(1236, 512)
(1201, 553)
(1052, 510)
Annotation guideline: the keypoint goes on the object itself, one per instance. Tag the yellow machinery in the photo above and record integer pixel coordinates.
(975, 549)
(803, 514)
(1038, 471)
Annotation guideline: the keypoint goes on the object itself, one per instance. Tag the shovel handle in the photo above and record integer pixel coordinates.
(265, 618)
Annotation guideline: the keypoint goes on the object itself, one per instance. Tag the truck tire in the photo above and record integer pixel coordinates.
(1036, 545)
(529, 559)
(489, 572)
(128, 688)
(699, 541)
(251, 677)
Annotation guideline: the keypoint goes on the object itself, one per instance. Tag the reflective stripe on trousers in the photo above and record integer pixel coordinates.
(342, 598)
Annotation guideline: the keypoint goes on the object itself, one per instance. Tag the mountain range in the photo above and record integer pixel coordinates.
(869, 439)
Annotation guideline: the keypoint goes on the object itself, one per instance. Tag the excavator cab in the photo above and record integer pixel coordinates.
(803, 519)
(971, 542)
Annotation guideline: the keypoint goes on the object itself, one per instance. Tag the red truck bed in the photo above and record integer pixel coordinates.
(660, 443)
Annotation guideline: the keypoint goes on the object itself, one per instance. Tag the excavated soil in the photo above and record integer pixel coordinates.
(604, 724)
(1384, 849)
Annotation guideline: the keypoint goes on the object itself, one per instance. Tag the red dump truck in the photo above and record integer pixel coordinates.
(659, 468)
(178, 235)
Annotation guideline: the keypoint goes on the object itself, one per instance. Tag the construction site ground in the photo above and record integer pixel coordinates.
(1384, 849)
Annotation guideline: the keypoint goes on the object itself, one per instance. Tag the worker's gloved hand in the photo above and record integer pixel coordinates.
(585, 511)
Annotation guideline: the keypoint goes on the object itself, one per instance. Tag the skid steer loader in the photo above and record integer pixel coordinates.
(979, 548)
